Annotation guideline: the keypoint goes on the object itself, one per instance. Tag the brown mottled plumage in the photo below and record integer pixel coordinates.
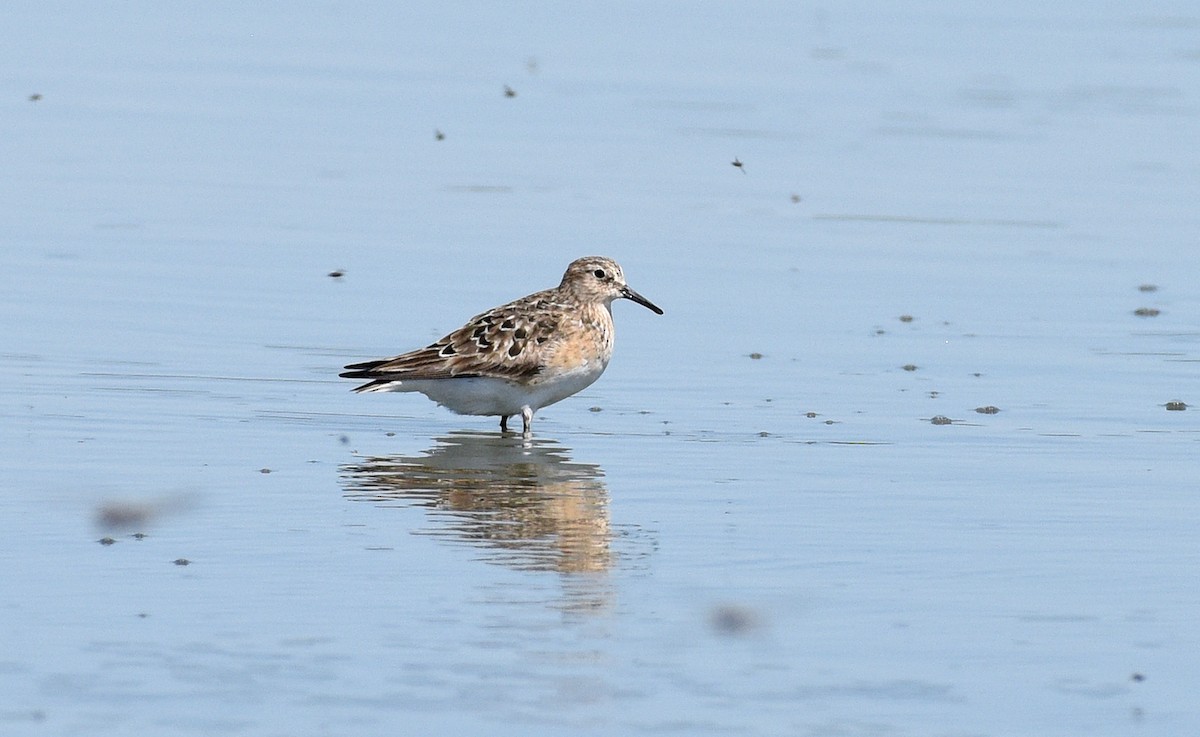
(518, 357)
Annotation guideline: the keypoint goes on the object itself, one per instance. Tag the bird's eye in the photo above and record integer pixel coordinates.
(599, 273)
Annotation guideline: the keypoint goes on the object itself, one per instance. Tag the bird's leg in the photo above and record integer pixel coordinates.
(503, 423)
(527, 419)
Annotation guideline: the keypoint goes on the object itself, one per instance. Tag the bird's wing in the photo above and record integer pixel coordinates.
(506, 342)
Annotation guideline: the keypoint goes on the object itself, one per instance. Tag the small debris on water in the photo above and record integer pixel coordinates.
(1137, 677)
(264, 470)
(1176, 406)
(731, 619)
(909, 367)
(106, 541)
(737, 164)
(756, 356)
(337, 274)
(940, 420)
(595, 409)
(1147, 287)
(906, 318)
(123, 515)
(136, 516)
(795, 199)
(182, 562)
(438, 135)
(810, 415)
(35, 97)
(1147, 312)
(987, 410)
(509, 91)
(764, 434)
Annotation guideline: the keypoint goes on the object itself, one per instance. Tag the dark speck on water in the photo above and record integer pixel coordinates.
(1147, 312)
(1148, 288)
(909, 367)
(810, 415)
(756, 356)
(509, 91)
(123, 515)
(1176, 406)
(906, 318)
(136, 516)
(264, 470)
(730, 619)
(940, 420)
(181, 562)
(106, 541)
(988, 410)
(337, 274)
(595, 409)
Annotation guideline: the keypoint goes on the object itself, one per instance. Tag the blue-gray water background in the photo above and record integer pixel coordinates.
(749, 525)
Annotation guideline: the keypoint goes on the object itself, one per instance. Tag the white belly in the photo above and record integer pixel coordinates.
(487, 396)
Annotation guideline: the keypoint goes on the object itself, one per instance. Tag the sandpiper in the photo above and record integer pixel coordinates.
(519, 357)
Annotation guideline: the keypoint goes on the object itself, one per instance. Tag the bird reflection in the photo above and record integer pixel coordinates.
(522, 500)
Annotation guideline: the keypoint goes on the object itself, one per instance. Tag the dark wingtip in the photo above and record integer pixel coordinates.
(364, 370)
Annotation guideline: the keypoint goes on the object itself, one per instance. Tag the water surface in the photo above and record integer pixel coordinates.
(750, 525)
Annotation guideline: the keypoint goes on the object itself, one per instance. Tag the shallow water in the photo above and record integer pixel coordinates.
(750, 524)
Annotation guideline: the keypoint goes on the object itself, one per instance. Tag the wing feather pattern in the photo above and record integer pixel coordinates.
(508, 342)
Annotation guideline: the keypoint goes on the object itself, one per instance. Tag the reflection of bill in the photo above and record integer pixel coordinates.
(521, 499)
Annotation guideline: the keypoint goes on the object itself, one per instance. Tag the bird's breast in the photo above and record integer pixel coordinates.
(585, 344)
